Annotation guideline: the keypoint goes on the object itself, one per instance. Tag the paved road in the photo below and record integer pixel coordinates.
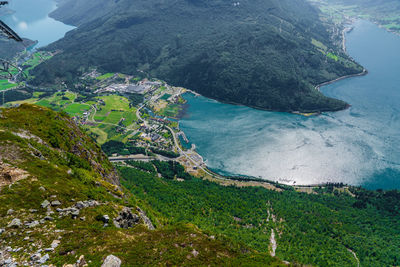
(139, 157)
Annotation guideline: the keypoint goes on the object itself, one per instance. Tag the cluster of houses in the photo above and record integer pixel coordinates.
(153, 133)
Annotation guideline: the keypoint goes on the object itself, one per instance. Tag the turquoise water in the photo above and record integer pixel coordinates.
(358, 146)
(30, 20)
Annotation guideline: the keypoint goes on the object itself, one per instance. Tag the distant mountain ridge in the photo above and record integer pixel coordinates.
(263, 54)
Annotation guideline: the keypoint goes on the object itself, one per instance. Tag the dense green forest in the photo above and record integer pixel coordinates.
(321, 230)
(265, 54)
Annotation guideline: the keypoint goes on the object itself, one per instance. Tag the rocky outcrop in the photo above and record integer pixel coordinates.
(111, 261)
(15, 223)
(145, 219)
(126, 219)
(9, 174)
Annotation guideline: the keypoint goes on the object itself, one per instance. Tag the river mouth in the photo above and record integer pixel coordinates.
(357, 146)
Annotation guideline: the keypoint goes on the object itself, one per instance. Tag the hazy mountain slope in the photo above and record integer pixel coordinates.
(77, 12)
(257, 53)
(383, 12)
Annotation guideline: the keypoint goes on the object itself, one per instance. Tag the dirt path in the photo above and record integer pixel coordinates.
(355, 256)
(273, 243)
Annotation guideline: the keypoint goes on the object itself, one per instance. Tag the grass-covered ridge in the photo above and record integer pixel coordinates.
(257, 53)
(44, 156)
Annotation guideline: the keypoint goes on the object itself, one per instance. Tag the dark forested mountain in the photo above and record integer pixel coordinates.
(266, 54)
(9, 48)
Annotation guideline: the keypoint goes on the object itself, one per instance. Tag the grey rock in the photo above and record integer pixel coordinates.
(43, 259)
(55, 203)
(32, 210)
(10, 211)
(74, 213)
(146, 219)
(45, 204)
(195, 253)
(42, 188)
(35, 257)
(80, 205)
(126, 219)
(91, 203)
(32, 224)
(48, 218)
(81, 261)
(26, 238)
(111, 261)
(15, 223)
(55, 243)
(2, 231)
(49, 249)
(105, 218)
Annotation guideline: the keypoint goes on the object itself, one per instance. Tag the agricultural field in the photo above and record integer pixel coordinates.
(105, 76)
(77, 109)
(4, 85)
(58, 101)
(114, 109)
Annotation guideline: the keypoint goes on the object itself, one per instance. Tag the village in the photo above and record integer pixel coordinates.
(142, 114)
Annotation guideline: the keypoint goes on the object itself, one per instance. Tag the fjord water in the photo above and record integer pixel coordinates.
(358, 146)
(30, 20)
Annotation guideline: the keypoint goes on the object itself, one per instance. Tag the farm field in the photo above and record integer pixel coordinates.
(4, 85)
(75, 109)
(105, 76)
(114, 109)
(58, 101)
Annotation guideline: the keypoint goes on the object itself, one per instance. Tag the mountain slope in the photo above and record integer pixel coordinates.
(266, 54)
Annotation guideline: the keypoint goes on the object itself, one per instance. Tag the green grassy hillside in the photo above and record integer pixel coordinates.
(257, 53)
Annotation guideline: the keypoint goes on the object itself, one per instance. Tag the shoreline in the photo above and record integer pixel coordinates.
(363, 73)
(248, 179)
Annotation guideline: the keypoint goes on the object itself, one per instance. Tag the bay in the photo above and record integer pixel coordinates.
(357, 146)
